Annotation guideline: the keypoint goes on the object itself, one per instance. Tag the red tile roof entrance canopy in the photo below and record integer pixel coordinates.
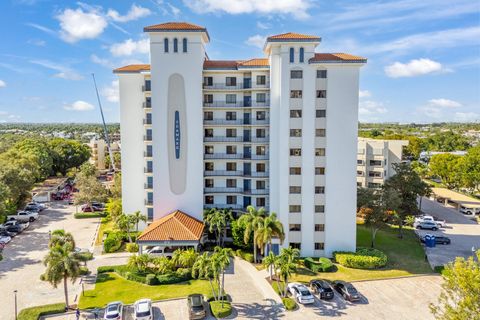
(293, 36)
(175, 26)
(177, 226)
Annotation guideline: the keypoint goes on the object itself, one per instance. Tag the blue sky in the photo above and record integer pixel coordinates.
(423, 56)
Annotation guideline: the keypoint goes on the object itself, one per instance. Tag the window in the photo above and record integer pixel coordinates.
(184, 44)
(261, 115)
(319, 171)
(230, 115)
(208, 81)
(260, 202)
(319, 190)
(261, 80)
(261, 133)
(294, 208)
(295, 132)
(296, 94)
(150, 213)
(150, 198)
(208, 149)
(321, 113)
(231, 133)
(320, 152)
(260, 167)
(148, 87)
(302, 53)
(260, 184)
(231, 149)
(359, 173)
(149, 152)
(208, 115)
(296, 152)
(149, 182)
(231, 81)
(319, 227)
(295, 113)
(321, 93)
(209, 166)
(261, 150)
(374, 174)
(294, 227)
(231, 199)
(208, 183)
(231, 98)
(292, 54)
(374, 185)
(295, 171)
(320, 132)
(296, 74)
(359, 184)
(319, 246)
(148, 102)
(261, 97)
(231, 183)
(165, 45)
(231, 166)
(175, 45)
(149, 166)
(319, 208)
(208, 98)
(375, 162)
(208, 199)
(321, 74)
(295, 190)
(359, 162)
(295, 245)
(209, 132)
(148, 134)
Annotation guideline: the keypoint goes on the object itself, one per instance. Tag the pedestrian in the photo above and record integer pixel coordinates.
(95, 313)
(77, 313)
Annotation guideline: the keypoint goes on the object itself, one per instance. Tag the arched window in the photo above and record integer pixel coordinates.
(301, 55)
(165, 45)
(291, 55)
(184, 44)
(175, 45)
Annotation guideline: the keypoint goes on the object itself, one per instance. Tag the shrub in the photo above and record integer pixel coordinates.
(218, 311)
(170, 278)
(409, 220)
(35, 313)
(132, 247)
(88, 215)
(320, 265)
(112, 243)
(289, 304)
(184, 273)
(84, 271)
(239, 253)
(134, 276)
(151, 279)
(105, 269)
(248, 257)
(439, 269)
(363, 258)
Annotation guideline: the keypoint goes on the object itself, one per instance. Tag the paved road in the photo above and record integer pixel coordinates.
(463, 232)
(22, 264)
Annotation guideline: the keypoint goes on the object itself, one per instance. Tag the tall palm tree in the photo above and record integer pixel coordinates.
(137, 216)
(61, 265)
(202, 268)
(217, 221)
(188, 257)
(287, 264)
(124, 223)
(270, 228)
(223, 255)
(269, 262)
(252, 219)
(60, 237)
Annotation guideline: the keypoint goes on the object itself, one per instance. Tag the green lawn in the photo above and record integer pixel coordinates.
(111, 287)
(405, 258)
(34, 313)
(104, 226)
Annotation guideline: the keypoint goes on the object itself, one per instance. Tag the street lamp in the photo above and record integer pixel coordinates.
(49, 235)
(15, 292)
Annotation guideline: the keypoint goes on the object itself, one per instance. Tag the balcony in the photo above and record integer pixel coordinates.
(223, 156)
(261, 85)
(259, 157)
(265, 121)
(257, 192)
(147, 138)
(222, 173)
(260, 139)
(223, 122)
(224, 206)
(147, 154)
(147, 104)
(147, 121)
(223, 190)
(223, 86)
(257, 174)
(148, 186)
(223, 104)
(223, 139)
(148, 202)
(265, 103)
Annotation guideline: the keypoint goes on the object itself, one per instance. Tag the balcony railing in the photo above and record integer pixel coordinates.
(223, 122)
(224, 206)
(259, 157)
(256, 174)
(223, 190)
(147, 104)
(148, 186)
(223, 86)
(147, 170)
(222, 139)
(256, 192)
(223, 104)
(148, 202)
(222, 173)
(263, 121)
(223, 156)
(147, 138)
(260, 139)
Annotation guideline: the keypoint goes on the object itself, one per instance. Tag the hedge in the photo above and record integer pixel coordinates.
(363, 258)
(181, 275)
(132, 247)
(244, 255)
(289, 304)
(320, 265)
(113, 242)
(106, 269)
(151, 279)
(34, 313)
(88, 215)
(218, 311)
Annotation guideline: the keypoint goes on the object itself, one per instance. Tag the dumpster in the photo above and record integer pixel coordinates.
(430, 241)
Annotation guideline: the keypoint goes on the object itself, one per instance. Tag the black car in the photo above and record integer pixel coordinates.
(438, 240)
(196, 306)
(323, 288)
(6, 233)
(347, 291)
(14, 228)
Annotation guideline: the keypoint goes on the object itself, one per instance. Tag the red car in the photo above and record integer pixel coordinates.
(86, 208)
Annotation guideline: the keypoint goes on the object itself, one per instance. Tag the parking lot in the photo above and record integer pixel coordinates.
(22, 264)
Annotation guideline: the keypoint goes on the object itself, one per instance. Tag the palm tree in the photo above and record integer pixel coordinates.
(162, 265)
(287, 264)
(61, 265)
(60, 237)
(124, 223)
(139, 262)
(223, 255)
(270, 228)
(217, 221)
(252, 219)
(188, 257)
(202, 268)
(137, 216)
(269, 262)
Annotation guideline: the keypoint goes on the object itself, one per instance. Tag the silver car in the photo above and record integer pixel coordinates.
(143, 310)
(114, 311)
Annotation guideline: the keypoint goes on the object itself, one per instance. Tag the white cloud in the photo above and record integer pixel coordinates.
(413, 68)
(444, 103)
(129, 47)
(364, 94)
(78, 24)
(112, 92)
(135, 12)
(64, 72)
(370, 107)
(79, 106)
(175, 11)
(466, 116)
(42, 28)
(37, 42)
(256, 41)
(101, 61)
(3, 84)
(263, 25)
(297, 8)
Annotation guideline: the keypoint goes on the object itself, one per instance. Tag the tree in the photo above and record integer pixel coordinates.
(137, 216)
(124, 223)
(140, 262)
(269, 228)
(90, 189)
(67, 154)
(448, 167)
(471, 169)
(184, 258)
(116, 189)
(238, 228)
(460, 294)
(203, 268)
(217, 221)
(221, 258)
(162, 265)
(420, 168)
(287, 264)
(60, 237)
(252, 219)
(269, 262)
(114, 208)
(61, 265)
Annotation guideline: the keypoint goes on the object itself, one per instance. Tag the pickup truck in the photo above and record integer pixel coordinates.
(440, 223)
(24, 216)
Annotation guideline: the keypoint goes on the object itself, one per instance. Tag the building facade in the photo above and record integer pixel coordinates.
(99, 152)
(278, 132)
(375, 159)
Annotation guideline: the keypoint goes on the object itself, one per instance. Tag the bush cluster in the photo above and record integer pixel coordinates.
(244, 255)
(219, 312)
(320, 265)
(180, 275)
(132, 247)
(113, 242)
(87, 215)
(363, 258)
(289, 304)
(84, 271)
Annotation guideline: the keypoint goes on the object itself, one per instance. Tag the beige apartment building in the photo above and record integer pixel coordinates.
(99, 152)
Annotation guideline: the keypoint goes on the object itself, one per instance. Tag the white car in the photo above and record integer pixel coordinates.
(158, 252)
(426, 218)
(469, 211)
(300, 293)
(114, 311)
(5, 239)
(142, 310)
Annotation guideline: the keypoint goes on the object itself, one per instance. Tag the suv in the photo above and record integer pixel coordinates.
(426, 225)
(142, 310)
(113, 311)
(469, 211)
(438, 240)
(323, 288)
(196, 306)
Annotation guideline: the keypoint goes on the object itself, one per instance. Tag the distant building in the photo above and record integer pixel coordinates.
(99, 152)
(375, 159)
(426, 155)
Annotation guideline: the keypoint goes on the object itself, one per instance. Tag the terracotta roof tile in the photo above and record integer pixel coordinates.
(221, 64)
(133, 68)
(342, 57)
(174, 26)
(257, 62)
(175, 226)
(292, 36)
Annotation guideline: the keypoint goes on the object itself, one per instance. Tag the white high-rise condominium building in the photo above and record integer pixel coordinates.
(278, 132)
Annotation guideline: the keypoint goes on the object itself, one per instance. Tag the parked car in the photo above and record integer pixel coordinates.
(24, 216)
(426, 225)
(347, 290)
(469, 211)
(87, 208)
(5, 233)
(114, 310)
(300, 293)
(438, 239)
(142, 310)
(33, 206)
(157, 251)
(196, 306)
(5, 239)
(426, 218)
(323, 288)
(15, 226)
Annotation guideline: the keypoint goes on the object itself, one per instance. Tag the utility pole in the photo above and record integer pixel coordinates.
(15, 292)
